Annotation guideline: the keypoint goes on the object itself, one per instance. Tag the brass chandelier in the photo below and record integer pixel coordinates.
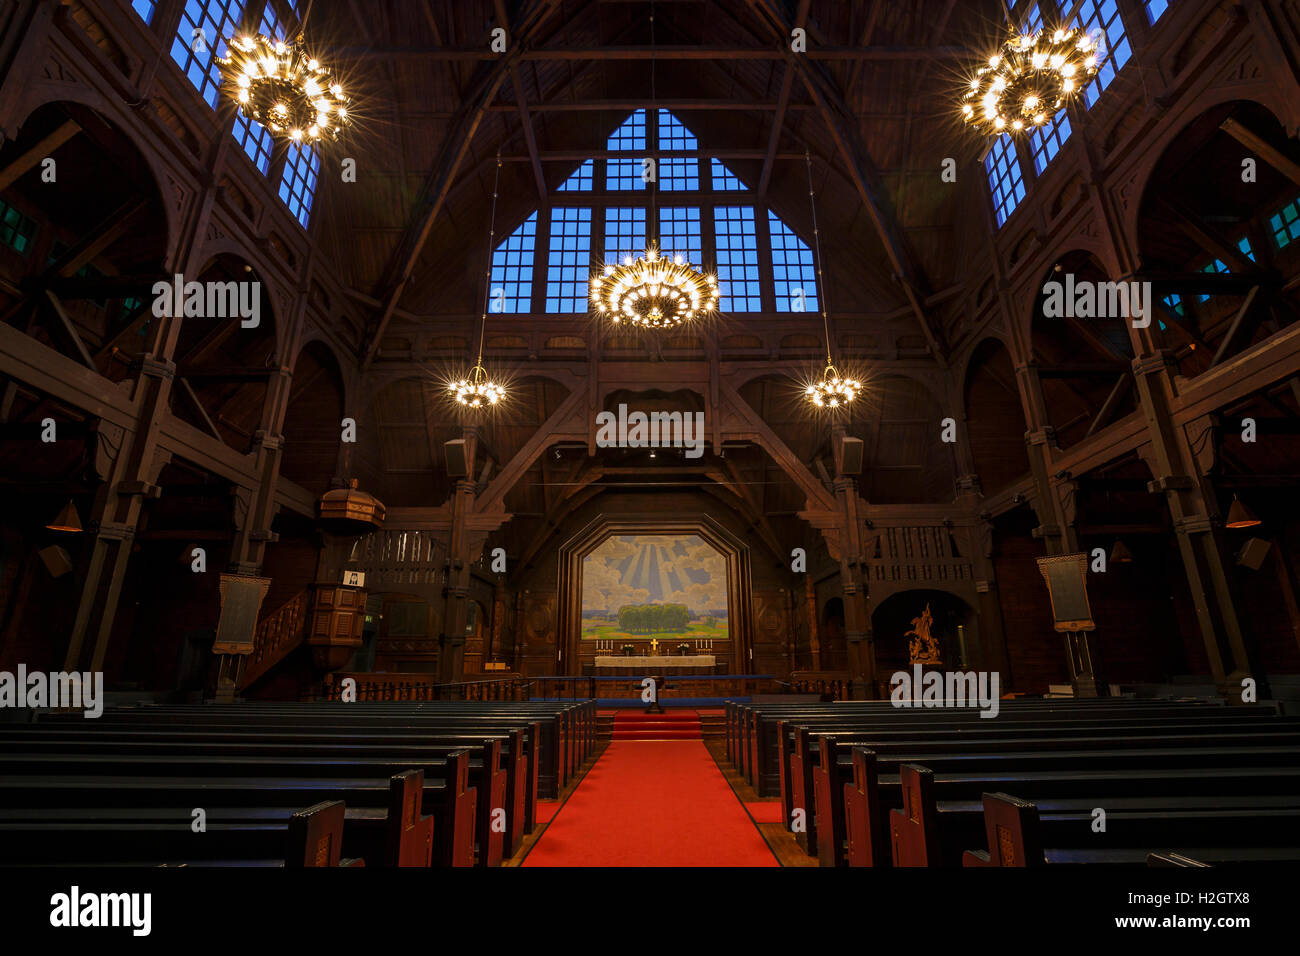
(283, 88)
(832, 390)
(1029, 79)
(653, 291)
(477, 390)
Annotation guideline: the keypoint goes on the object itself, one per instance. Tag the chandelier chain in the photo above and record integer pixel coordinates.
(817, 263)
(487, 272)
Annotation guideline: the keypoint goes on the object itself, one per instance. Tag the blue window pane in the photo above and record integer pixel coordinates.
(271, 23)
(568, 264)
(1218, 266)
(298, 182)
(1175, 303)
(630, 135)
(255, 140)
(625, 174)
(512, 270)
(1155, 8)
(679, 233)
(16, 230)
(678, 175)
(580, 180)
(673, 135)
(144, 8)
(724, 180)
(1033, 20)
(201, 36)
(737, 243)
(1046, 141)
(793, 272)
(1005, 180)
(1285, 224)
(624, 234)
(1101, 20)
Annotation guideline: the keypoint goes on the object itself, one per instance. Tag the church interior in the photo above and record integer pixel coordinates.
(668, 433)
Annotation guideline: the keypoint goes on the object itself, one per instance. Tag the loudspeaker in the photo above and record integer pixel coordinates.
(57, 561)
(1253, 553)
(457, 458)
(851, 456)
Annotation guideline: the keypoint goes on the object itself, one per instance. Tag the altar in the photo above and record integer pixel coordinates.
(702, 663)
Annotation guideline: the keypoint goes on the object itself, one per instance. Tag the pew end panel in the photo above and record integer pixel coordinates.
(1012, 829)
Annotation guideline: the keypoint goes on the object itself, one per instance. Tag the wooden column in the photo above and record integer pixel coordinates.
(1177, 474)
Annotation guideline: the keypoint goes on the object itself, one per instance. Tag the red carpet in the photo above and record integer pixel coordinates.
(765, 811)
(652, 803)
(671, 725)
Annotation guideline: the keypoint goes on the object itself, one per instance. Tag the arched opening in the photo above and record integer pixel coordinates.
(901, 619)
(1219, 222)
(224, 363)
(313, 419)
(85, 235)
(1084, 356)
(830, 635)
(995, 418)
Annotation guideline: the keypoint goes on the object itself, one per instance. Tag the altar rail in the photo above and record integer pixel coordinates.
(383, 686)
(672, 685)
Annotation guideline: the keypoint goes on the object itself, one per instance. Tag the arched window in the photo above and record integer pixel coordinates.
(601, 214)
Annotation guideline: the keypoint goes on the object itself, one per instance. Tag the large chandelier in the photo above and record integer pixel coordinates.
(654, 292)
(1029, 79)
(284, 89)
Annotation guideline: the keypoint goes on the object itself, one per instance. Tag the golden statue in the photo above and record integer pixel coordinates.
(923, 649)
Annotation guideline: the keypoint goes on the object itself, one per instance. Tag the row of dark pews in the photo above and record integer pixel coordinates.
(307, 784)
(1112, 780)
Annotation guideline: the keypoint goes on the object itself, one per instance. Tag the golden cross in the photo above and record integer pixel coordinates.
(654, 646)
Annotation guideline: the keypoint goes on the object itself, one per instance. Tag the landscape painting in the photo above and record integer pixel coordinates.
(669, 588)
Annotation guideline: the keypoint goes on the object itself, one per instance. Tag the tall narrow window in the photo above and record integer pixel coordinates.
(568, 265)
(512, 270)
(298, 182)
(1101, 19)
(793, 273)
(1005, 181)
(679, 233)
(737, 241)
(201, 38)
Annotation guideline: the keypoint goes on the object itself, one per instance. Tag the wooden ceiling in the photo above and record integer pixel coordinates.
(870, 100)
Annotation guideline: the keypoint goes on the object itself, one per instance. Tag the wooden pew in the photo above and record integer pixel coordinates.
(1251, 830)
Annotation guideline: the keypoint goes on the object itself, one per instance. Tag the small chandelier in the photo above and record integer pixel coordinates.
(284, 89)
(654, 292)
(1029, 79)
(477, 390)
(833, 391)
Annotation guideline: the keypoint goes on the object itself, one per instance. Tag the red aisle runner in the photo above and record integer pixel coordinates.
(652, 803)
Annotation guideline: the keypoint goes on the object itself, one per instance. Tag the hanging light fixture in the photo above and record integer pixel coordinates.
(67, 519)
(283, 87)
(477, 390)
(1120, 554)
(1239, 516)
(653, 291)
(1029, 79)
(832, 390)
